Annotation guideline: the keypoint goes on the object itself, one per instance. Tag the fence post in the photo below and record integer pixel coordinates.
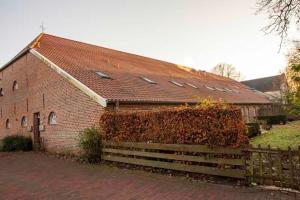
(298, 167)
(251, 165)
(246, 156)
(280, 167)
(260, 165)
(270, 164)
(291, 167)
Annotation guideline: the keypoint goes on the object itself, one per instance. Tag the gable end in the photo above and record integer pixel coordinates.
(93, 95)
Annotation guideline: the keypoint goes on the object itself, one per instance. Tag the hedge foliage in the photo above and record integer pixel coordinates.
(277, 119)
(214, 126)
(16, 143)
(253, 129)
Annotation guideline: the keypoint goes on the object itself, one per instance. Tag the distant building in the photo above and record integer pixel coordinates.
(272, 86)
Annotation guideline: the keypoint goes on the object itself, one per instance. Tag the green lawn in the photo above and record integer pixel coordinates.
(280, 136)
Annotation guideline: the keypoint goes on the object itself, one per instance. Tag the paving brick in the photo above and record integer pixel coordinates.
(36, 176)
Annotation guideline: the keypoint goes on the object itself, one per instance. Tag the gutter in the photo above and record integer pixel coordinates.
(110, 101)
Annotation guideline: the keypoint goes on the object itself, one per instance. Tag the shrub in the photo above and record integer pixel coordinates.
(16, 143)
(214, 126)
(253, 129)
(271, 120)
(90, 143)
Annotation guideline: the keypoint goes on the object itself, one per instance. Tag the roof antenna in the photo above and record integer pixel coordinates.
(42, 27)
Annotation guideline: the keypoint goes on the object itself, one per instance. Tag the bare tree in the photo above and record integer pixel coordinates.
(281, 14)
(227, 70)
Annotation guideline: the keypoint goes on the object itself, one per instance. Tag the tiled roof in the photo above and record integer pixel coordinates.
(266, 84)
(125, 70)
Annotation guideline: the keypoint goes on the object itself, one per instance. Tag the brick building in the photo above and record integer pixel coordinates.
(273, 87)
(56, 87)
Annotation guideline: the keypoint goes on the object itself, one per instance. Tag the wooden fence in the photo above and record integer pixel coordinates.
(268, 166)
(226, 162)
(264, 166)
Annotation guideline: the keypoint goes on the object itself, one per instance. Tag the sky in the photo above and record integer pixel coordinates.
(195, 33)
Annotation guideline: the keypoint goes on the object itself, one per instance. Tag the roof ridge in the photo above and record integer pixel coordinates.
(36, 41)
(263, 78)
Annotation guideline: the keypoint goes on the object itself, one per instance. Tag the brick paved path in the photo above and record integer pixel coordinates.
(36, 176)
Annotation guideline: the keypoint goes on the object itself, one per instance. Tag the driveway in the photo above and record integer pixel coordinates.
(37, 176)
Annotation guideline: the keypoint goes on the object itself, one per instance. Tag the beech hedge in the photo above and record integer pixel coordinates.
(213, 126)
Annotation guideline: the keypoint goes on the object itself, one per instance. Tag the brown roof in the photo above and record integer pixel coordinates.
(82, 61)
(266, 84)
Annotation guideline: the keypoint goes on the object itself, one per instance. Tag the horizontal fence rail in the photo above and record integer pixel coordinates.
(228, 162)
(264, 166)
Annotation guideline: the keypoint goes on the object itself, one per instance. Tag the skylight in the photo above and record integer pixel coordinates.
(220, 89)
(176, 83)
(229, 90)
(148, 80)
(211, 88)
(193, 86)
(103, 75)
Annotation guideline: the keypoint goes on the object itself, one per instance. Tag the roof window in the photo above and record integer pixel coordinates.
(193, 86)
(176, 83)
(148, 80)
(219, 89)
(103, 75)
(229, 90)
(210, 88)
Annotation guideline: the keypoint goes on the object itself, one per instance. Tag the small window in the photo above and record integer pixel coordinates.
(229, 90)
(148, 80)
(210, 88)
(23, 121)
(193, 86)
(219, 89)
(176, 83)
(103, 75)
(1, 92)
(52, 118)
(15, 86)
(7, 124)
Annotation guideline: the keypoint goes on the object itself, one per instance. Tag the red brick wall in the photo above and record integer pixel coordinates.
(45, 91)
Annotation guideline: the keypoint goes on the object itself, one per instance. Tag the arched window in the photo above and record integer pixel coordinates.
(7, 124)
(15, 85)
(24, 121)
(1, 92)
(52, 118)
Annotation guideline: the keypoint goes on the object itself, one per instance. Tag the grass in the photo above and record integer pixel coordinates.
(280, 136)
